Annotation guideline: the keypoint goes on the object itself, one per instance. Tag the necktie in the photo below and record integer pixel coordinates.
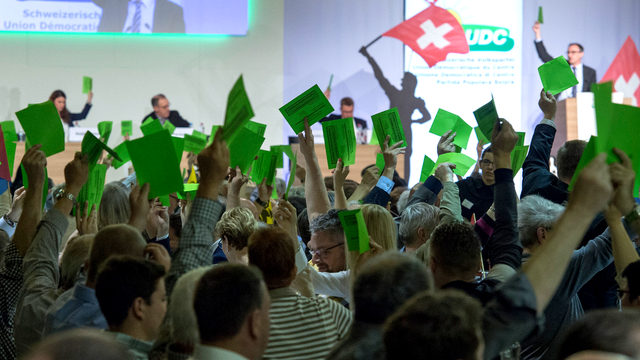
(574, 89)
(137, 17)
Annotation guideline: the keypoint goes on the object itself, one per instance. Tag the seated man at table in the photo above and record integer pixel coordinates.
(162, 112)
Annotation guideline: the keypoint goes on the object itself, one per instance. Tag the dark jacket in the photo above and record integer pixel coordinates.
(359, 122)
(475, 197)
(588, 74)
(79, 116)
(174, 118)
(167, 18)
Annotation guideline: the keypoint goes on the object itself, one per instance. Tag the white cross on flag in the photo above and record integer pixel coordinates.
(432, 34)
(624, 72)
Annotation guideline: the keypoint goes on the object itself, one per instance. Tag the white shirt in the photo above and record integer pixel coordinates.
(203, 352)
(147, 9)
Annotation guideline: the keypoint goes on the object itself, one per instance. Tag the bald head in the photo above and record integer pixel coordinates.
(80, 344)
(114, 240)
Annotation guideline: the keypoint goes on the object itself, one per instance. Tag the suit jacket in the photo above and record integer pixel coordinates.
(167, 17)
(588, 74)
(174, 118)
(359, 122)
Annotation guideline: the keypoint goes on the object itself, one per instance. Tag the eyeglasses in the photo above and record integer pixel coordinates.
(574, 52)
(486, 162)
(621, 293)
(323, 252)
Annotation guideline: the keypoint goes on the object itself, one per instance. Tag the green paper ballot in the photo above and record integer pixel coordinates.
(194, 144)
(428, 168)
(261, 166)
(93, 188)
(388, 123)
(271, 176)
(521, 137)
(87, 84)
(126, 127)
(486, 116)
(169, 127)
(151, 126)
(243, 149)
(374, 138)
(446, 121)
(42, 125)
(123, 153)
(355, 230)
(104, 128)
(199, 135)
(518, 156)
(463, 163)
(256, 127)
(540, 17)
(311, 104)
(154, 160)
(190, 189)
(339, 141)
(93, 147)
(178, 146)
(480, 136)
(292, 171)
(239, 110)
(380, 163)
(281, 150)
(165, 200)
(214, 130)
(557, 76)
(10, 138)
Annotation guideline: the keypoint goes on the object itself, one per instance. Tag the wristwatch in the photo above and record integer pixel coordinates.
(260, 202)
(633, 215)
(64, 194)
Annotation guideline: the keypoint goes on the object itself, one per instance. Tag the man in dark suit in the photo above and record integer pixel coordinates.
(346, 111)
(162, 112)
(140, 16)
(585, 75)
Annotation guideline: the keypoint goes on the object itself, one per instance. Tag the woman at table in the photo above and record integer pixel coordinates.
(60, 101)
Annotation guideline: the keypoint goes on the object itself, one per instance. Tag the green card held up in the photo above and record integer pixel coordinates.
(540, 17)
(518, 156)
(194, 144)
(104, 128)
(93, 147)
(589, 153)
(374, 138)
(169, 127)
(261, 166)
(445, 121)
(239, 110)
(280, 149)
(93, 188)
(339, 142)
(311, 104)
(463, 163)
(151, 126)
(480, 136)
(257, 128)
(521, 137)
(389, 123)
(428, 168)
(292, 171)
(87, 84)
(126, 127)
(486, 116)
(355, 230)
(178, 146)
(123, 153)
(243, 149)
(557, 76)
(214, 130)
(10, 138)
(154, 160)
(199, 135)
(42, 125)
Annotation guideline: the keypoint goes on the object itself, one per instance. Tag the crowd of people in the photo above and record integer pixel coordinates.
(456, 268)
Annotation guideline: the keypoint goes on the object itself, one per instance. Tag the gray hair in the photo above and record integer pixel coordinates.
(420, 215)
(281, 186)
(297, 191)
(329, 222)
(536, 212)
(403, 201)
(184, 324)
(114, 205)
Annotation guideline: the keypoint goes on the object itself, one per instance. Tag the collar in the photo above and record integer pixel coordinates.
(133, 343)
(211, 352)
(578, 67)
(84, 293)
(145, 3)
(282, 293)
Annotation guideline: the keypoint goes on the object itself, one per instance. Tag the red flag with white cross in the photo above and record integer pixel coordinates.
(624, 72)
(432, 34)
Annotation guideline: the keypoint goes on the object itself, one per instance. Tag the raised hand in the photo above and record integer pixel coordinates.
(547, 104)
(623, 179)
(76, 173)
(444, 172)
(593, 189)
(445, 145)
(306, 141)
(503, 138)
(340, 174)
(85, 223)
(139, 203)
(34, 162)
(536, 30)
(390, 154)
(18, 203)
(157, 220)
(213, 163)
(158, 254)
(287, 218)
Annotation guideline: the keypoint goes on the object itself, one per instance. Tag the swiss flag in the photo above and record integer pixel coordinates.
(432, 34)
(624, 71)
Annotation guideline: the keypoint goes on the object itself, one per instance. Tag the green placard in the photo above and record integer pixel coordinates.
(126, 127)
(87, 84)
(194, 144)
(540, 17)
(486, 116)
(93, 147)
(521, 138)
(445, 121)
(589, 153)
(463, 163)
(42, 125)
(388, 123)
(355, 230)
(104, 128)
(178, 146)
(165, 200)
(93, 188)
(239, 110)
(10, 138)
(428, 168)
(199, 135)
(480, 136)
(311, 104)
(518, 156)
(151, 126)
(261, 166)
(557, 76)
(339, 142)
(281, 150)
(123, 153)
(214, 130)
(292, 170)
(257, 128)
(243, 149)
(169, 127)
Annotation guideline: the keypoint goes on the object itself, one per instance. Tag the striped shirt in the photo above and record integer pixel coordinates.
(304, 328)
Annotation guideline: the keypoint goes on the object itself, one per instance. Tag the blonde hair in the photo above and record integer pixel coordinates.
(237, 225)
(381, 228)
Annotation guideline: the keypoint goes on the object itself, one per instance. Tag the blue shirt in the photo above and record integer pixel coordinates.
(78, 307)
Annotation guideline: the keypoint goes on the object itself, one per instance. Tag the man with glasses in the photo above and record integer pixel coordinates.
(163, 113)
(327, 243)
(585, 75)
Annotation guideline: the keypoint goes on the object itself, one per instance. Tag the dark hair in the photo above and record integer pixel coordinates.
(330, 221)
(114, 240)
(175, 222)
(578, 45)
(632, 273)
(486, 150)
(155, 99)
(328, 183)
(346, 101)
(456, 249)
(303, 227)
(224, 297)
(271, 250)
(298, 202)
(385, 283)
(568, 158)
(444, 325)
(607, 330)
(64, 114)
(121, 280)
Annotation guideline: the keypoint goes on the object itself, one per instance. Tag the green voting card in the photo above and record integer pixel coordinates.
(178, 146)
(194, 144)
(261, 166)
(169, 127)
(165, 199)
(446, 121)
(93, 147)
(126, 127)
(521, 137)
(199, 135)
(380, 163)
(151, 126)
(239, 110)
(540, 17)
(214, 130)
(42, 125)
(339, 142)
(463, 163)
(389, 123)
(480, 136)
(355, 230)
(104, 128)
(10, 138)
(557, 76)
(589, 153)
(518, 156)
(374, 138)
(428, 168)
(292, 170)
(243, 149)
(94, 187)
(154, 160)
(257, 128)
(87, 84)
(311, 104)
(280, 149)
(486, 116)
(123, 153)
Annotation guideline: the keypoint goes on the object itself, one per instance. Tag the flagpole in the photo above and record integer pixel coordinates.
(371, 43)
